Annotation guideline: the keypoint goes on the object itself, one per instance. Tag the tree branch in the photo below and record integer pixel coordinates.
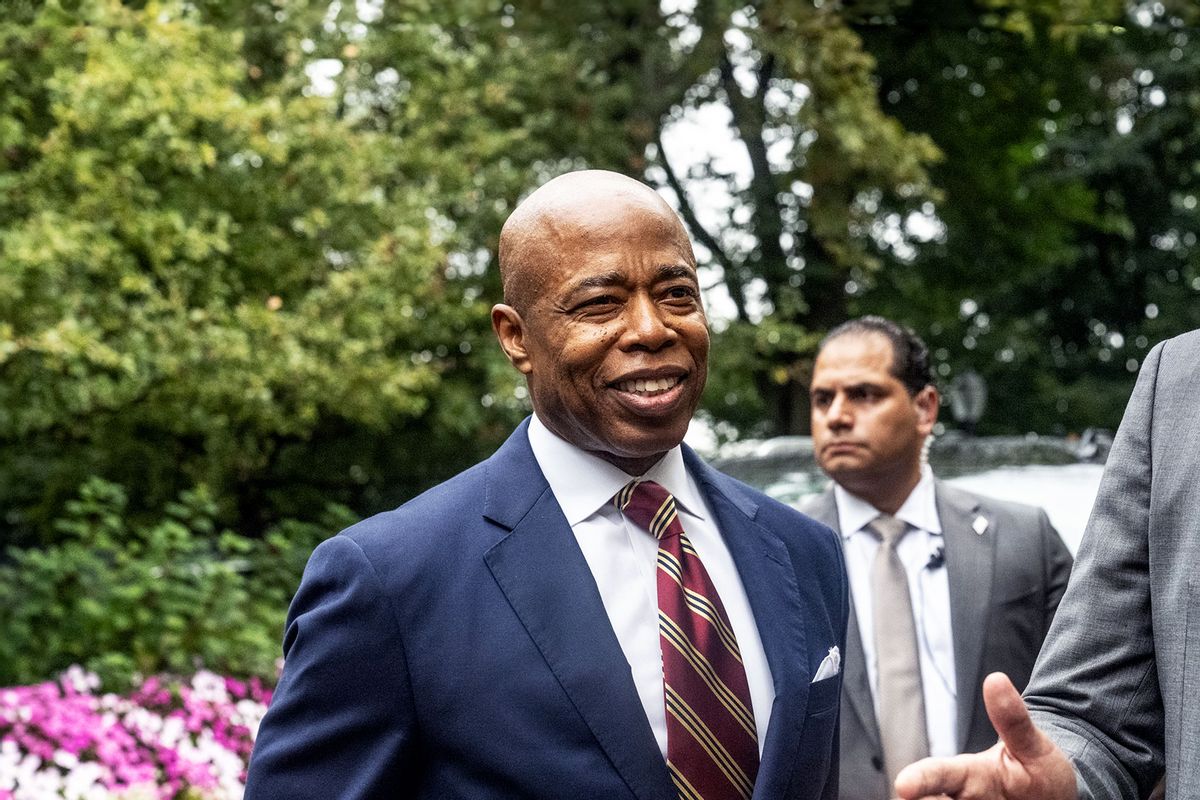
(733, 272)
(749, 118)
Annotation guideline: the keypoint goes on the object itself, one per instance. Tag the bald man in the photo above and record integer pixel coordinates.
(592, 612)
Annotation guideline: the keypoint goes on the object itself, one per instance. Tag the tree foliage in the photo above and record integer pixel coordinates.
(172, 595)
(251, 244)
(602, 84)
(206, 278)
(1069, 200)
(1015, 178)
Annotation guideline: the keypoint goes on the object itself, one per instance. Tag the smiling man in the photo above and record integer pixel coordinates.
(592, 612)
(946, 586)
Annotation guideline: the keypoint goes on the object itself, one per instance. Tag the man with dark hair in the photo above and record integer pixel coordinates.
(592, 612)
(1112, 703)
(946, 586)
(910, 355)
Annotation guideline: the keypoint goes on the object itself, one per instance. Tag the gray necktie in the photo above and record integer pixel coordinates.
(900, 698)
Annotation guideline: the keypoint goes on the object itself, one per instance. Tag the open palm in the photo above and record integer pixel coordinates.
(1024, 765)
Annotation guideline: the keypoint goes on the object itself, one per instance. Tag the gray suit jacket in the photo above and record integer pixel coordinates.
(1005, 585)
(1118, 685)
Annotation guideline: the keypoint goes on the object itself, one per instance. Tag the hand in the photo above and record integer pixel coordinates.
(1023, 764)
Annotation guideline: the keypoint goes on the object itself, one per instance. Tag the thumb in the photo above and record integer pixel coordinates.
(1023, 740)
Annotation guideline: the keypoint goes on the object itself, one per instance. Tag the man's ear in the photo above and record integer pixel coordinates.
(927, 402)
(510, 330)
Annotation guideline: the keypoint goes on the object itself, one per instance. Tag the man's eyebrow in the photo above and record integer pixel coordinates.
(847, 387)
(604, 280)
(599, 281)
(671, 271)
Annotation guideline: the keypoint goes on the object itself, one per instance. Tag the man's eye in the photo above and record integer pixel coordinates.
(681, 293)
(598, 301)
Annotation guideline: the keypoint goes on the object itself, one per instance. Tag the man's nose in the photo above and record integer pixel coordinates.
(838, 415)
(646, 326)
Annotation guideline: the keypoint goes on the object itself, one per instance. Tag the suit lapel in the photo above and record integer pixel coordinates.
(766, 571)
(856, 685)
(969, 562)
(546, 579)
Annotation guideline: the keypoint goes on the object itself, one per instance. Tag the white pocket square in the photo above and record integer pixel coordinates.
(831, 665)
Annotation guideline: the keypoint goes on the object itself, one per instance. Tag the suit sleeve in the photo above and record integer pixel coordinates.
(1094, 689)
(831, 790)
(832, 782)
(1056, 561)
(341, 723)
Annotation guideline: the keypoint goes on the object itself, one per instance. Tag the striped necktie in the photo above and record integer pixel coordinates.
(712, 743)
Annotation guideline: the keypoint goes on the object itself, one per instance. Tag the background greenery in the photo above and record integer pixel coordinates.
(247, 250)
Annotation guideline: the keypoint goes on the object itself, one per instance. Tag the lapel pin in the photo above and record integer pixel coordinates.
(980, 525)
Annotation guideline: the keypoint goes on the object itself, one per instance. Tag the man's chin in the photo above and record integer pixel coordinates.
(846, 472)
(841, 465)
(636, 454)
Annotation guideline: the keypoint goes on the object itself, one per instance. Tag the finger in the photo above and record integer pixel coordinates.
(932, 777)
(1011, 719)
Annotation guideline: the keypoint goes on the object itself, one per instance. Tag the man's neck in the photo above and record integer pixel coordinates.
(888, 493)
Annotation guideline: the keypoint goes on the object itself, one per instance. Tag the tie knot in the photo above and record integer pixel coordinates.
(650, 507)
(888, 529)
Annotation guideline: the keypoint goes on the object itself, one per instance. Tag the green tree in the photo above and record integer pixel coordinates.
(217, 268)
(1069, 184)
(1012, 177)
(208, 279)
(171, 595)
(602, 84)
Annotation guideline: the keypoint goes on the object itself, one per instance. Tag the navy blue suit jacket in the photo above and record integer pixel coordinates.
(457, 647)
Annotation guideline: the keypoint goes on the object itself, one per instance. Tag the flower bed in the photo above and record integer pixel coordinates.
(168, 739)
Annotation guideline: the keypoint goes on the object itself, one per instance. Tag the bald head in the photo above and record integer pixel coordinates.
(603, 316)
(578, 207)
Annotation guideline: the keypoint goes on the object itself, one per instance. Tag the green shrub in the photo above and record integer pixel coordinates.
(124, 599)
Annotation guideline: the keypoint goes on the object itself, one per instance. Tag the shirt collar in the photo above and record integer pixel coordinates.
(919, 508)
(583, 482)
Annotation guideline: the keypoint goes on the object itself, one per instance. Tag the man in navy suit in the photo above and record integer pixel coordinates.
(510, 633)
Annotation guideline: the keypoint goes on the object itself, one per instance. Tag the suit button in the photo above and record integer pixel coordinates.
(877, 763)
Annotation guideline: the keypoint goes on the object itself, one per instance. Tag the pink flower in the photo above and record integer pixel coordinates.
(167, 739)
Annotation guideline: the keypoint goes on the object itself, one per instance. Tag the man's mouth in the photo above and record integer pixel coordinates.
(648, 388)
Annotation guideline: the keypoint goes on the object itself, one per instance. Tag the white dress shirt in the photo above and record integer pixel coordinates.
(929, 587)
(622, 558)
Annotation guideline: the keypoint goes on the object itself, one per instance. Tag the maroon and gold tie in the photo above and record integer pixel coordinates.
(712, 744)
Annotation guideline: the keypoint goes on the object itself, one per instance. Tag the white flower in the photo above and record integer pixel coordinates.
(210, 687)
(249, 713)
(172, 732)
(84, 783)
(80, 679)
(39, 785)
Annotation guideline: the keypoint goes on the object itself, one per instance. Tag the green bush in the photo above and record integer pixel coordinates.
(124, 599)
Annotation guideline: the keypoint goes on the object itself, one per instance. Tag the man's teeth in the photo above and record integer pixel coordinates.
(649, 387)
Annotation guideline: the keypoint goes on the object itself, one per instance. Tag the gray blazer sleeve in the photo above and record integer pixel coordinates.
(1094, 688)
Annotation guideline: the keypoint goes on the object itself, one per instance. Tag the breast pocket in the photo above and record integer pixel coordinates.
(824, 694)
(817, 739)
